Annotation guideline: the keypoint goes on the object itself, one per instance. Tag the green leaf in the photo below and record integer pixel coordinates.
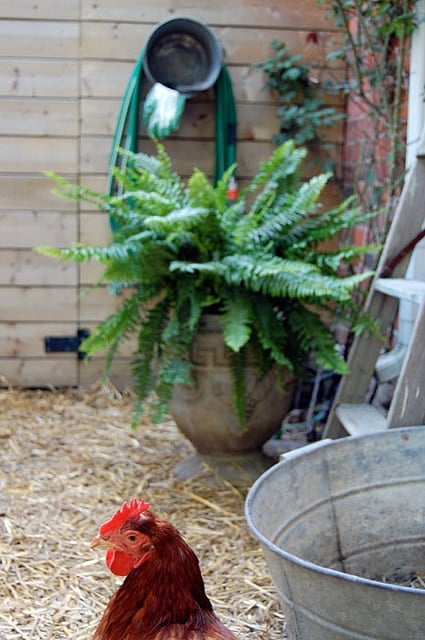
(236, 321)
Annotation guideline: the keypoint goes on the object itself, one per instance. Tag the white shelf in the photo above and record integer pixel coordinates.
(360, 419)
(412, 290)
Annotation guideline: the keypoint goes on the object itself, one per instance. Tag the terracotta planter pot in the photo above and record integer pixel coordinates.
(204, 412)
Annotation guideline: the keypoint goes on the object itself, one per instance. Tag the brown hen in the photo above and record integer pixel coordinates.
(163, 596)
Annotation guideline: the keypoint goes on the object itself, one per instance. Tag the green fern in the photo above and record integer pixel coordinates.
(179, 250)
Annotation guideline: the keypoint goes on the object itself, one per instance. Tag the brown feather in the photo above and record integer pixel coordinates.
(164, 598)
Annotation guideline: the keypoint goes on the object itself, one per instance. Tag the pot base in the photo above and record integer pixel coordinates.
(238, 469)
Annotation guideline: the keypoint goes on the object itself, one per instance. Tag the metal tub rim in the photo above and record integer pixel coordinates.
(297, 560)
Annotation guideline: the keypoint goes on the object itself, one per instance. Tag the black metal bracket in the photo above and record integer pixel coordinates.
(66, 344)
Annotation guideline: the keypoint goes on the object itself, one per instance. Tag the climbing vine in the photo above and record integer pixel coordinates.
(374, 47)
(373, 44)
(301, 111)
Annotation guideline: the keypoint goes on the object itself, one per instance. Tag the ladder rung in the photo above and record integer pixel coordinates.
(360, 419)
(413, 290)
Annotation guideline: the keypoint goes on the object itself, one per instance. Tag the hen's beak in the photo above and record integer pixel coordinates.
(98, 541)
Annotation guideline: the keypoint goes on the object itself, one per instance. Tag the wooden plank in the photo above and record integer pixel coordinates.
(26, 194)
(99, 116)
(26, 339)
(255, 121)
(38, 78)
(360, 419)
(30, 229)
(97, 304)
(91, 372)
(249, 46)
(125, 41)
(42, 9)
(31, 154)
(113, 41)
(39, 39)
(95, 229)
(49, 371)
(38, 304)
(402, 288)
(108, 79)
(95, 182)
(90, 273)
(294, 14)
(25, 267)
(35, 117)
(408, 404)
(95, 152)
(105, 78)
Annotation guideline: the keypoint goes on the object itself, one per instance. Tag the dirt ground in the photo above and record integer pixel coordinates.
(67, 461)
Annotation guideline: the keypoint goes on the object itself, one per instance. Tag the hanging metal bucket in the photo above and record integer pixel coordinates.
(183, 54)
(341, 525)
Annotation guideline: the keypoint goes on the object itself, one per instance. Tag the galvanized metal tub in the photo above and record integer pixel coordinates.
(342, 525)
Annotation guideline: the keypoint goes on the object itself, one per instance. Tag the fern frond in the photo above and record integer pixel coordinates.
(76, 192)
(145, 202)
(236, 320)
(333, 260)
(328, 224)
(142, 161)
(230, 219)
(220, 190)
(293, 208)
(312, 335)
(271, 333)
(200, 190)
(182, 219)
(282, 166)
(286, 278)
(214, 267)
(79, 253)
(117, 327)
(148, 339)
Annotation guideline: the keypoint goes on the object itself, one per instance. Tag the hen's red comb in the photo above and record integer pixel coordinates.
(128, 510)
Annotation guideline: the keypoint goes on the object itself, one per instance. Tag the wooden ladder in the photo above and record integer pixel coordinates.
(350, 415)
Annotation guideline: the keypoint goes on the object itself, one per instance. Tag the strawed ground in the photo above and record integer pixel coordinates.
(67, 460)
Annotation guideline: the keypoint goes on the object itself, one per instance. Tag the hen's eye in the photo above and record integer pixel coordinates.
(132, 537)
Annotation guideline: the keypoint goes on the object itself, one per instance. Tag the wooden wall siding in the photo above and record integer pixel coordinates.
(40, 129)
(63, 69)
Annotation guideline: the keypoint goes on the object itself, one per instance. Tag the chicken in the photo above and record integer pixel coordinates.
(163, 596)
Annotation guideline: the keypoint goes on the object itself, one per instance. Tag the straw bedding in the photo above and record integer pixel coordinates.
(67, 460)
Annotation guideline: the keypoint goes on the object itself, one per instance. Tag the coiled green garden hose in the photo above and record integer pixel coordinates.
(127, 127)
(128, 124)
(225, 124)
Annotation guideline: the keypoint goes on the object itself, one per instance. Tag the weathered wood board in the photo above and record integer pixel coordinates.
(63, 70)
